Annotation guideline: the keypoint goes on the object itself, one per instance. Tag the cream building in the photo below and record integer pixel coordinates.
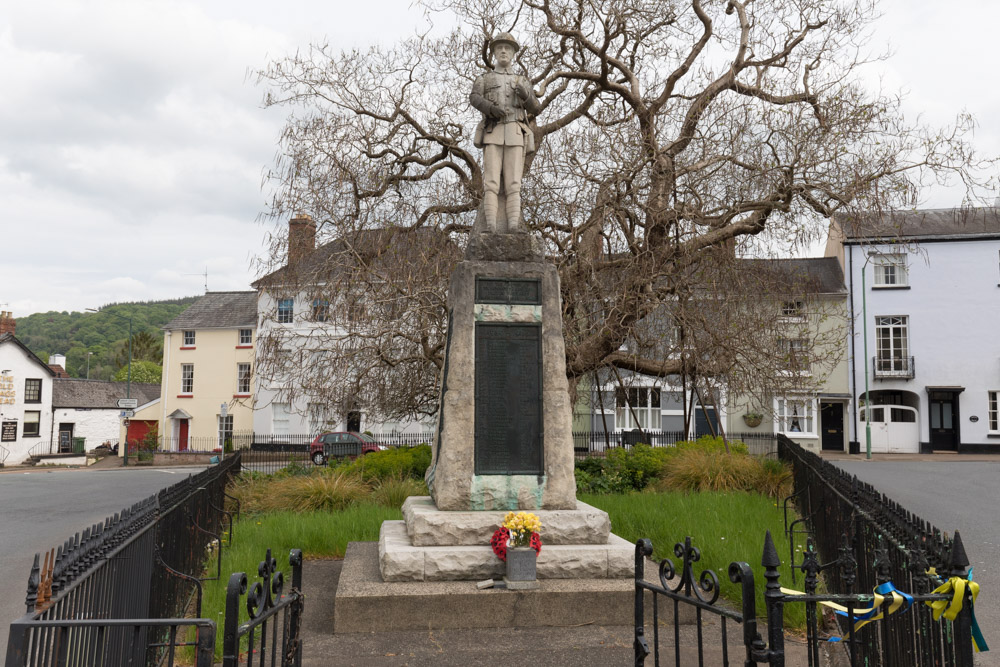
(208, 386)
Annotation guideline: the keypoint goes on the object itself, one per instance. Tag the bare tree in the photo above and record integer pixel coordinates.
(672, 137)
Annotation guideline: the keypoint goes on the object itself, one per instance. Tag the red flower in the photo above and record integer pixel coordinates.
(499, 543)
(536, 543)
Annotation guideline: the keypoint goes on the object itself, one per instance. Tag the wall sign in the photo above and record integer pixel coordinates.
(8, 395)
(8, 432)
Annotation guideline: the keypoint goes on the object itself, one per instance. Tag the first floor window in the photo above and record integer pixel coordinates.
(317, 417)
(792, 309)
(280, 415)
(892, 344)
(225, 432)
(991, 410)
(795, 416)
(286, 309)
(321, 310)
(187, 378)
(794, 355)
(32, 390)
(637, 407)
(890, 270)
(188, 339)
(243, 378)
(246, 336)
(32, 422)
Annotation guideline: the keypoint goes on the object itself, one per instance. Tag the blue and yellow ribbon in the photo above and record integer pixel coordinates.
(955, 586)
(898, 602)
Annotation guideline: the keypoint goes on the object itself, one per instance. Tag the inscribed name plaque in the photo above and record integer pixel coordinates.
(508, 429)
(9, 432)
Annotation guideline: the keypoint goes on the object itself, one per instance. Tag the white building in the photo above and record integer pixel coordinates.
(25, 401)
(88, 409)
(294, 324)
(929, 281)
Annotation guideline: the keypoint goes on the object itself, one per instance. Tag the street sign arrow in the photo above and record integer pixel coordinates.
(126, 414)
(128, 402)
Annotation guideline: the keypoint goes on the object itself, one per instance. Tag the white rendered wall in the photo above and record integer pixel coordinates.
(953, 310)
(19, 367)
(97, 425)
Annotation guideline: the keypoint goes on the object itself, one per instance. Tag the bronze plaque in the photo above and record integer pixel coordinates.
(512, 291)
(508, 399)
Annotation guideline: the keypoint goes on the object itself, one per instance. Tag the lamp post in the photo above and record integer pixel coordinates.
(868, 402)
(128, 384)
(89, 355)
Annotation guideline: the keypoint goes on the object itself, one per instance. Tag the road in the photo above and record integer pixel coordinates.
(958, 496)
(44, 507)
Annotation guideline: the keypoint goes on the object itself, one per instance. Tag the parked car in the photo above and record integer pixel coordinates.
(341, 445)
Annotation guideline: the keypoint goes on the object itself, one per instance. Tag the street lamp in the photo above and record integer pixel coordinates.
(128, 385)
(89, 355)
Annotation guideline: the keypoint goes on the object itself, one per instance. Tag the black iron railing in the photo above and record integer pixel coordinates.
(597, 443)
(113, 594)
(867, 540)
(895, 367)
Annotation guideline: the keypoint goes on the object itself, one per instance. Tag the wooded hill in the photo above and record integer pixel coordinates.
(104, 334)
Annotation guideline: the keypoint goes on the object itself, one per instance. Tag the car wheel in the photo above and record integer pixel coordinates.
(318, 458)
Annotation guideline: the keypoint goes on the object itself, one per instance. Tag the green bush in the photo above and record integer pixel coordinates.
(397, 462)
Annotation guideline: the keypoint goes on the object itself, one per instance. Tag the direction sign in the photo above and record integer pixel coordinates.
(126, 414)
(128, 402)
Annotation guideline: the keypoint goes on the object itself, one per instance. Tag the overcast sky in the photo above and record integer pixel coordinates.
(133, 142)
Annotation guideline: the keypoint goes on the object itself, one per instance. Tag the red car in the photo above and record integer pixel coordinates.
(341, 445)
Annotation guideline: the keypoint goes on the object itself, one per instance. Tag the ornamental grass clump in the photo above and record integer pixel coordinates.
(328, 491)
(703, 470)
(392, 491)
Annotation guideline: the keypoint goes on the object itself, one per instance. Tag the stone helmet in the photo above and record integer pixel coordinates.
(505, 37)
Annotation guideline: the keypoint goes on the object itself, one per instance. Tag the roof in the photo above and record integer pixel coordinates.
(815, 275)
(391, 247)
(915, 224)
(11, 338)
(218, 310)
(79, 393)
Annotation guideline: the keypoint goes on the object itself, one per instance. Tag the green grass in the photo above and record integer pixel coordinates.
(725, 527)
(317, 534)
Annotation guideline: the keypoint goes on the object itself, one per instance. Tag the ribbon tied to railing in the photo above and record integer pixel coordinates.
(886, 600)
(955, 586)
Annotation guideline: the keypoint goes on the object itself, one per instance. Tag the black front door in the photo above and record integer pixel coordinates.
(832, 415)
(354, 421)
(944, 420)
(508, 399)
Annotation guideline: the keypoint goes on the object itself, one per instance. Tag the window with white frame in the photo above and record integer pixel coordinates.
(246, 336)
(320, 310)
(32, 424)
(890, 270)
(892, 343)
(637, 407)
(793, 309)
(280, 417)
(992, 418)
(243, 378)
(225, 431)
(286, 310)
(795, 416)
(794, 354)
(187, 378)
(188, 339)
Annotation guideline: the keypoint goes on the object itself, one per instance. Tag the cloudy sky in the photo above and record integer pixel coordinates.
(133, 142)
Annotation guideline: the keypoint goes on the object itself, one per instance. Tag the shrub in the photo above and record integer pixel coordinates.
(392, 491)
(694, 469)
(397, 462)
(327, 491)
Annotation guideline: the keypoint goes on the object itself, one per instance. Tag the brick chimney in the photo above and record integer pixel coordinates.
(7, 323)
(301, 237)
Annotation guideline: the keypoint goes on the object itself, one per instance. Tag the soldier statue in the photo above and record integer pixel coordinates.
(505, 99)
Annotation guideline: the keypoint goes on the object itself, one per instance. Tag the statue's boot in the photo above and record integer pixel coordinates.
(490, 212)
(513, 212)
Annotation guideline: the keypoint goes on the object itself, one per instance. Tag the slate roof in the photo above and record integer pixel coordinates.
(79, 393)
(933, 223)
(390, 246)
(218, 310)
(816, 275)
(11, 338)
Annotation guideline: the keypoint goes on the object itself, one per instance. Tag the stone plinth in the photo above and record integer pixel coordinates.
(426, 525)
(452, 477)
(400, 560)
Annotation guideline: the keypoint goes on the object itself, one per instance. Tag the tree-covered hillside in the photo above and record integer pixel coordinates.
(103, 334)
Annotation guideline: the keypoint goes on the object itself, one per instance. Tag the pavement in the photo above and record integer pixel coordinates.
(584, 645)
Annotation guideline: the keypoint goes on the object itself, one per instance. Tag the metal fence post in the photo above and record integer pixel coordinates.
(773, 598)
(741, 573)
(640, 646)
(959, 567)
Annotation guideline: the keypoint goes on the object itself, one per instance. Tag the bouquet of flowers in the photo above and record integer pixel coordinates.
(518, 530)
